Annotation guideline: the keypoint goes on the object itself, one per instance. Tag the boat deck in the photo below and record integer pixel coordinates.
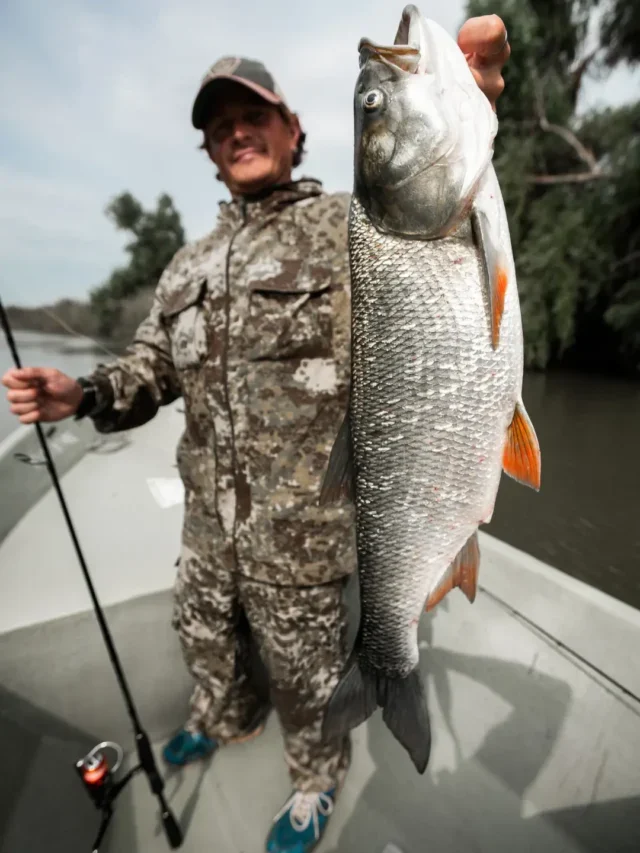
(533, 749)
(530, 754)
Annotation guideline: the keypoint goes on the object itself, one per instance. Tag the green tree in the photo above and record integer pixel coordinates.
(157, 236)
(571, 184)
(620, 33)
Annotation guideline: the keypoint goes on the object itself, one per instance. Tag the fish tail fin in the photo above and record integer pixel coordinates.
(353, 701)
(361, 690)
(406, 715)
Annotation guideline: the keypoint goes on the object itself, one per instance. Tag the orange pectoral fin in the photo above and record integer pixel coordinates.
(499, 281)
(463, 572)
(521, 457)
(495, 269)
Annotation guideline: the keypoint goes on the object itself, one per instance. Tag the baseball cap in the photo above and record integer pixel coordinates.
(247, 72)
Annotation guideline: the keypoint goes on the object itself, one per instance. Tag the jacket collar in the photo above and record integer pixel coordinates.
(270, 200)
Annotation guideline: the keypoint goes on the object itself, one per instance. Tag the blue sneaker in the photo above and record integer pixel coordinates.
(300, 824)
(186, 746)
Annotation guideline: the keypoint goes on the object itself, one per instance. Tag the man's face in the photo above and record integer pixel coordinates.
(250, 141)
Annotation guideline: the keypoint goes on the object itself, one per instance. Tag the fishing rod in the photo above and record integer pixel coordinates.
(96, 774)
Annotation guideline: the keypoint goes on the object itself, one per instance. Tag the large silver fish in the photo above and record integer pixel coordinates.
(436, 412)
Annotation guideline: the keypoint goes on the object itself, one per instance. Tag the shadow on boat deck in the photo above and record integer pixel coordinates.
(479, 803)
(508, 767)
(42, 804)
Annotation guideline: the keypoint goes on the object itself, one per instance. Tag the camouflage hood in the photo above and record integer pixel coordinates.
(272, 200)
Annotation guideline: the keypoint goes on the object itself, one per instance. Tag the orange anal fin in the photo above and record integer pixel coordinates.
(463, 573)
(521, 456)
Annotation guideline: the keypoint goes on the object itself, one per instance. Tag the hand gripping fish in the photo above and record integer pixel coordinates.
(435, 412)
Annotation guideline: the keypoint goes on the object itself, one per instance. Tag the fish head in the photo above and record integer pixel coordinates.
(424, 131)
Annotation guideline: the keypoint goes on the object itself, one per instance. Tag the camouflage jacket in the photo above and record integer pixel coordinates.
(251, 326)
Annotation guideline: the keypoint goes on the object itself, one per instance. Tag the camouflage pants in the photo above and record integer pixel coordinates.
(301, 638)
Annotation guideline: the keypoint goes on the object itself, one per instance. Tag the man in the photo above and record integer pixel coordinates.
(250, 325)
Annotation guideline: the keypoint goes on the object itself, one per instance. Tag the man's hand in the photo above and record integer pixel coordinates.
(483, 40)
(42, 394)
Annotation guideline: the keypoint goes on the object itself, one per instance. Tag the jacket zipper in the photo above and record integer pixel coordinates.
(225, 377)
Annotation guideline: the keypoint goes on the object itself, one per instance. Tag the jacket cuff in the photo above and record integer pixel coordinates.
(98, 396)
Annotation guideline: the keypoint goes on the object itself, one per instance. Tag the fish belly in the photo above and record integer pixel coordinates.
(431, 402)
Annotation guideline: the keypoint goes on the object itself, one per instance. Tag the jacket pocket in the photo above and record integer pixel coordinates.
(185, 322)
(290, 314)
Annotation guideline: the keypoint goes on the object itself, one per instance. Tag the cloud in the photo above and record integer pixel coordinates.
(97, 100)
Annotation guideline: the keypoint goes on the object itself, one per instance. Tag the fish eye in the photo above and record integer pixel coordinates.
(373, 99)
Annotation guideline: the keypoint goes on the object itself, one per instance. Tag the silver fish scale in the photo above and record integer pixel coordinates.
(430, 405)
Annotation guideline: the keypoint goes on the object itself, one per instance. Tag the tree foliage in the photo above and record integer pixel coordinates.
(157, 236)
(571, 183)
(620, 34)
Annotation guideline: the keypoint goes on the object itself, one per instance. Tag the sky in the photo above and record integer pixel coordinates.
(96, 99)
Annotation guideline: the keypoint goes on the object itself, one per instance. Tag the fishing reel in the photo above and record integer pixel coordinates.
(97, 776)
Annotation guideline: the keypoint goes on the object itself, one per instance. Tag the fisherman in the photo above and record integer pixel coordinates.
(250, 326)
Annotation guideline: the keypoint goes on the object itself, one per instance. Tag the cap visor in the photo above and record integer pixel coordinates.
(205, 99)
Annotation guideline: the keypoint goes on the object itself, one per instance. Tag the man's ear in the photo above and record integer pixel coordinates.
(204, 146)
(210, 155)
(295, 130)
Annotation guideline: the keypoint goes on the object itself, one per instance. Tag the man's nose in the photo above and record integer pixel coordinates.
(240, 130)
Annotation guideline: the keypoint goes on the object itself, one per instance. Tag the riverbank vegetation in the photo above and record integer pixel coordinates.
(116, 308)
(570, 180)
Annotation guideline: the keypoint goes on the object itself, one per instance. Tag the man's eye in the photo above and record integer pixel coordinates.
(258, 117)
(219, 132)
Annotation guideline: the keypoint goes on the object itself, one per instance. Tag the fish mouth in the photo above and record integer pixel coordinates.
(403, 57)
(409, 50)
